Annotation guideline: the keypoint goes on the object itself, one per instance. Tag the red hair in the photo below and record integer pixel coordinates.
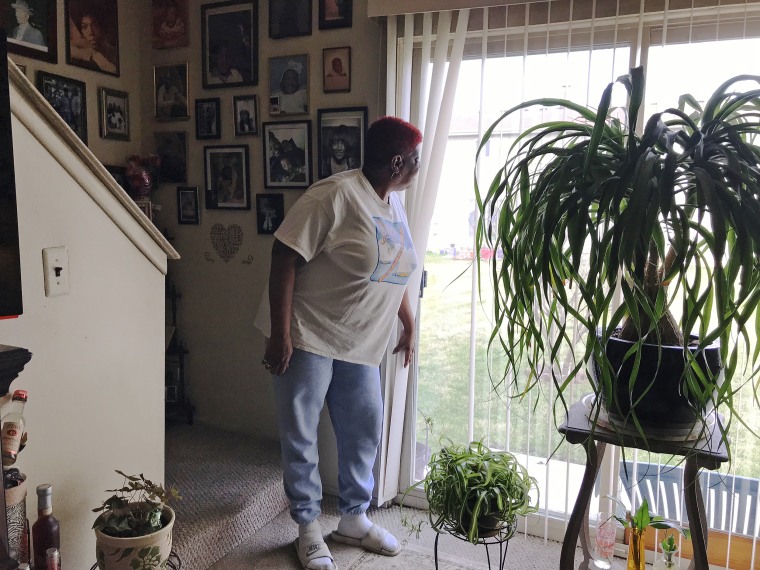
(388, 137)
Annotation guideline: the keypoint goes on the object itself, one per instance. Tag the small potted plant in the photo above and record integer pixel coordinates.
(476, 492)
(669, 550)
(134, 529)
(637, 523)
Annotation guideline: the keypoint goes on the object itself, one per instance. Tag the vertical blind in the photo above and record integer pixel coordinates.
(523, 42)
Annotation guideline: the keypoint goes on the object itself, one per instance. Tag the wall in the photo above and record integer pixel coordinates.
(95, 380)
(226, 381)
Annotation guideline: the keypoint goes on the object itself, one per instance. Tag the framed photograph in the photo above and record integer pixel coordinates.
(335, 14)
(287, 154)
(171, 147)
(208, 118)
(68, 97)
(169, 24)
(92, 34)
(245, 114)
(114, 114)
(32, 27)
(188, 211)
(289, 85)
(340, 139)
(289, 18)
(227, 177)
(336, 69)
(170, 92)
(119, 174)
(229, 44)
(270, 210)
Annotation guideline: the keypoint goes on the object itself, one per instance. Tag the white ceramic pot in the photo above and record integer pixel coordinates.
(144, 552)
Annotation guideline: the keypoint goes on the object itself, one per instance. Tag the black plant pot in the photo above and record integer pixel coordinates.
(658, 394)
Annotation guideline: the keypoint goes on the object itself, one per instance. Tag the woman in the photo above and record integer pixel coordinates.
(332, 300)
(340, 157)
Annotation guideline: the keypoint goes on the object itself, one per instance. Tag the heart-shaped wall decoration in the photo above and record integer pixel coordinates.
(226, 240)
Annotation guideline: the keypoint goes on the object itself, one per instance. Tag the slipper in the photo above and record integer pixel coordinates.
(372, 541)
(314, 547)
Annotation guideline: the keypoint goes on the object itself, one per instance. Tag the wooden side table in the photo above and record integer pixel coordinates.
(706, 453)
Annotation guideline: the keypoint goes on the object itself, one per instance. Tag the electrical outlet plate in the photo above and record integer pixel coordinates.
(55, 267)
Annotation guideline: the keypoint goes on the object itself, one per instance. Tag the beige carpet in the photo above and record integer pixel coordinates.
(271, 548)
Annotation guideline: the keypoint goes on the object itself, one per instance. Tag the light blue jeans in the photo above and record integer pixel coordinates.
(354, 400)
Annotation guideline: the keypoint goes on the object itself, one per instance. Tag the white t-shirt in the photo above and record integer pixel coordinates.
(359, 257)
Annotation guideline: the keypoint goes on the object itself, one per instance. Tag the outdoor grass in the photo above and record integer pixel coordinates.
(443, 384)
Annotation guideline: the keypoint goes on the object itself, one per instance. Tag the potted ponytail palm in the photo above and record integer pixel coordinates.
(585, 209)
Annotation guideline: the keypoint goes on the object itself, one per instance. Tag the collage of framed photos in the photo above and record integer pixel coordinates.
(229, 58)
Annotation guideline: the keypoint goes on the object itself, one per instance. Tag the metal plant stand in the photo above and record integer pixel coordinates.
(500, 539)
(174, 563)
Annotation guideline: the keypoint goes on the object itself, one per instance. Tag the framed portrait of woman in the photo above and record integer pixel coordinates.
(227, 170)
(245, 109)
(340, 138)
(92, 35)
(32, 28)
(336, 70)
(229, 44)
(208, 118)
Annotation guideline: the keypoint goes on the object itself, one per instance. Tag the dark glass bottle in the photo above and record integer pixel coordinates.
(46, 531)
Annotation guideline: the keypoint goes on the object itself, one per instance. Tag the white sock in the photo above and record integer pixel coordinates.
(323, 562)
(357, 526)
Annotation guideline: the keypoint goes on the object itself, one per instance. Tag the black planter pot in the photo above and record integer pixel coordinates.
(663, 404)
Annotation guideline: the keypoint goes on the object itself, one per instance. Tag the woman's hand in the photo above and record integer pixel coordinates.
(406, 343)
(277, 355)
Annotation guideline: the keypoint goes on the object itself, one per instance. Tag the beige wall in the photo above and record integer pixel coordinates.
(95, 380)
(226, 382)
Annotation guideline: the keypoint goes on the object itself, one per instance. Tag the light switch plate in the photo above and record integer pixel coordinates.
(55, 266)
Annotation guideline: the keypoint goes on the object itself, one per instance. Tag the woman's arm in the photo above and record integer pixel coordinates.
(282, 279)
(406, 341)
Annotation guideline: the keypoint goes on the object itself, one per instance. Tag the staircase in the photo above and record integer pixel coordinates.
(231, 486)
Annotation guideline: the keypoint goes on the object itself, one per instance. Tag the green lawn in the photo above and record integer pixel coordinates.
(443, 389)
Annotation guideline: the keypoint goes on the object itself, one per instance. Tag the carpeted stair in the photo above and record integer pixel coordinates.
(231, 486)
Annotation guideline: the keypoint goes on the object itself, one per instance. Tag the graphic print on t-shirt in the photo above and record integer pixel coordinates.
(393, 241)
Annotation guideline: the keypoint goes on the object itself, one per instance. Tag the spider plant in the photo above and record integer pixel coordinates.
(476, 492)
(650, 238)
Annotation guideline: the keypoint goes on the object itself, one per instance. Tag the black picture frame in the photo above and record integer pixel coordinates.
(346, 124)
(188, 209)
(208, 118)
(335, 14)
(170, 92)
(287, 154)
(91, 23)
(40, 43)
(245, 115)
(229, 44)
(171, 147)
(336, 70)
(113, 116)
(270, 211)
(68, 97)
(227, 175)
(289, 84)
(289, 18)
(119, 174)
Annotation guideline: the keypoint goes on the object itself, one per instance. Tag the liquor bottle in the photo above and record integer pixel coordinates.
(13, 427)
(46, 531)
